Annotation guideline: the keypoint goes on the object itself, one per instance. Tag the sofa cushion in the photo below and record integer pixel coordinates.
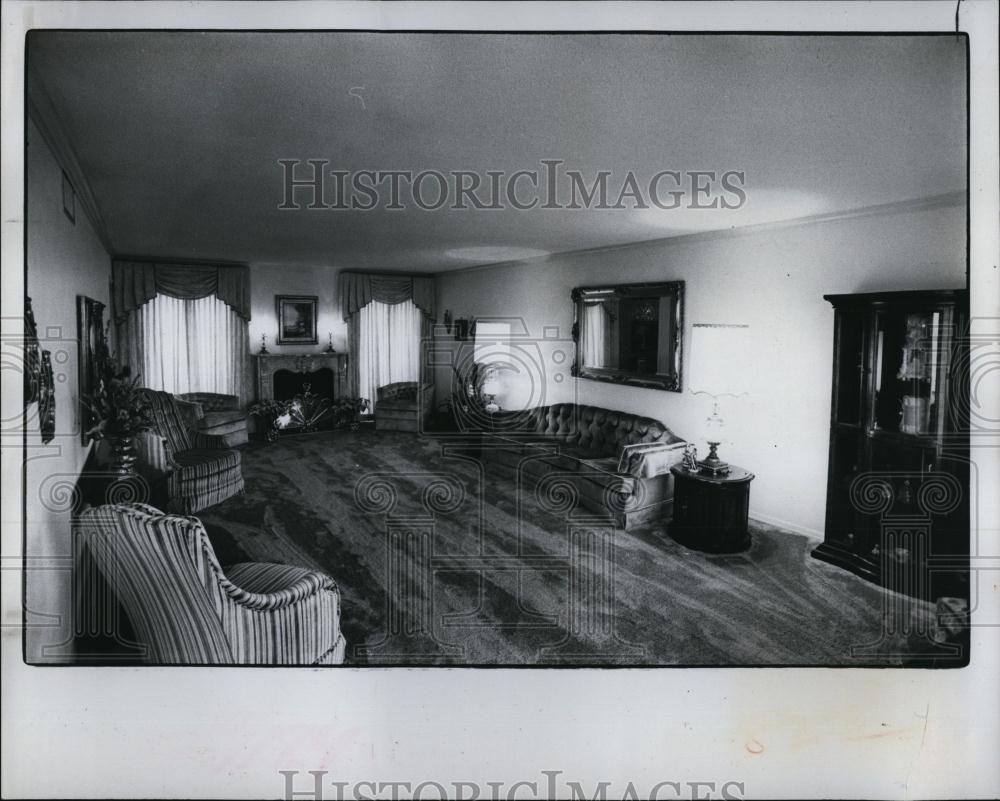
(647, 459)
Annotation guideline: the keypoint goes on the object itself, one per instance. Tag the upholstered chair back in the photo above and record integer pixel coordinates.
(164, 572)
(600, 430)
(169, 419)
(212, 401)
(401, 390)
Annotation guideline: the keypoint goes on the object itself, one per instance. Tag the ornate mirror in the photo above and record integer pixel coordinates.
(630, 334)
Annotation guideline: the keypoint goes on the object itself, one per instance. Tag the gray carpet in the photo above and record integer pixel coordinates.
(442, 562)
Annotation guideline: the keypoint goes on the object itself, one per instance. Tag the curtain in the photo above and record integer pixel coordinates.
(595, 335)
(388, 337)
(135, 283)
(187, 345)
(357, 290)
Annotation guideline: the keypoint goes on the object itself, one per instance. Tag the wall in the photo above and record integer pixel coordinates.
(268, 280)
(774, 280)
(64, 260)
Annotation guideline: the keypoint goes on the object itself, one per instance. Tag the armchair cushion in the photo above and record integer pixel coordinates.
(200, 462)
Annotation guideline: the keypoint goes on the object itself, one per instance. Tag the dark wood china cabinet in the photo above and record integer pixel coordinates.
(897, 505)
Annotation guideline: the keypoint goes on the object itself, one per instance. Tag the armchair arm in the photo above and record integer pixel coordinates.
(283, 615)
(154, 452)
(264, 585)
(649, 459)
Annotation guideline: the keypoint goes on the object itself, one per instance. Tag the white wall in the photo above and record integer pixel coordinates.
(269, 280)
(64, 260)
(774, 280)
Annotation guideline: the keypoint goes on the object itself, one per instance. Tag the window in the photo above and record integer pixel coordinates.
(388, 346)
(192, 345)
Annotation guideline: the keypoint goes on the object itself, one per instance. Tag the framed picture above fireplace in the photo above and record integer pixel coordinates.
(296, 319)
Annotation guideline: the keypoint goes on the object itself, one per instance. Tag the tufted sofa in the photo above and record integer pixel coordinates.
(616, 465)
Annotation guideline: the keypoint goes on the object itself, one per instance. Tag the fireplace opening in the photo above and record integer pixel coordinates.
(287, 383)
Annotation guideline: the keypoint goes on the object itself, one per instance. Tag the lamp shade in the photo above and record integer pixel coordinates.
(720, 359)
(492, 341)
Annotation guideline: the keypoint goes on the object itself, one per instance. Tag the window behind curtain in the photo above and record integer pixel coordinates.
(192, 345)
(388, 346)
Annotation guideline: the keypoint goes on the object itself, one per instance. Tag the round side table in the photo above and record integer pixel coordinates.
(711, 512)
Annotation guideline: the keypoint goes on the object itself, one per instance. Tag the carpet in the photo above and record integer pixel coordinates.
(444, 561)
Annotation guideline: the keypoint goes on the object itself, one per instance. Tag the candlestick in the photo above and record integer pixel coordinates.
(263, 343)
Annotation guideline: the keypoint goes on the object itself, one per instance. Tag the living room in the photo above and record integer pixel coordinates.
(848, 180)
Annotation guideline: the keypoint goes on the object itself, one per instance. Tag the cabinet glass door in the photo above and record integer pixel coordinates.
(911, 367)
(850, 366)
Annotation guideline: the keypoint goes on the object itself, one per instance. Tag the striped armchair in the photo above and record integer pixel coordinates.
(185, 610)
(202, 470)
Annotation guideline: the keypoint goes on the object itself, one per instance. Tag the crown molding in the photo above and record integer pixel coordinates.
(42, 112)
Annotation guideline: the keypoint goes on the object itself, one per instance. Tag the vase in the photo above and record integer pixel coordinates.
(123, 457)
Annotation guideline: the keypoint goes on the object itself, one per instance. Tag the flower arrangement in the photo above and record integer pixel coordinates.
(306, 413)
(119, 407)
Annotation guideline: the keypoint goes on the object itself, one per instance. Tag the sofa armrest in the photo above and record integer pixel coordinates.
(649, 459)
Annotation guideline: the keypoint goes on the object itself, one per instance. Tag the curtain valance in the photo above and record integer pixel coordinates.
(357, 290)
(134, 283)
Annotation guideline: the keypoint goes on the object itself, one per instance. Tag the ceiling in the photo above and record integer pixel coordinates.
(180, 134)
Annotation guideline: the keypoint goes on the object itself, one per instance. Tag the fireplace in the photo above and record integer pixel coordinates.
(280, 377)
(286, 385)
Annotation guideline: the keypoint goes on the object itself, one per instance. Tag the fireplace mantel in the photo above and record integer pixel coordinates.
(270, 363)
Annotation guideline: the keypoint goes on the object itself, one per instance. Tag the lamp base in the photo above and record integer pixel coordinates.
(712, 465)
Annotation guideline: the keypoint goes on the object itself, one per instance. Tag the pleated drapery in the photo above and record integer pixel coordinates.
(183, 327)
(190, 346)
(135, 283)
(388, 346)
(357, 290)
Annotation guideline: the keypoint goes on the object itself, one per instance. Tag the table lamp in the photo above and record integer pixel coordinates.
(490, 389)
(720, 357)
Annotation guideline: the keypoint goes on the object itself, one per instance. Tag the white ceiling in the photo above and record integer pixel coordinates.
(179, 134)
